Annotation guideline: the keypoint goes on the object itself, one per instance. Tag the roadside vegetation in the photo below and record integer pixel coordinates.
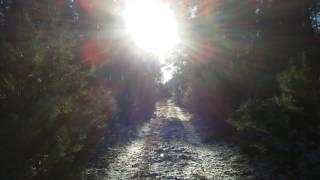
(70, 79)
(252, 74)
(61, 93)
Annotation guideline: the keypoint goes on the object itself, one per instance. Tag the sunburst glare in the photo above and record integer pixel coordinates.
(152, 25)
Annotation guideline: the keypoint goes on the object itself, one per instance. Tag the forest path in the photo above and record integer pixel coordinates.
(168, 147)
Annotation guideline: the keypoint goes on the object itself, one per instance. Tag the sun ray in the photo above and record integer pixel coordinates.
(152, 25)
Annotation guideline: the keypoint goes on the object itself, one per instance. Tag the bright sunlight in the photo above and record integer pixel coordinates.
(152, 25)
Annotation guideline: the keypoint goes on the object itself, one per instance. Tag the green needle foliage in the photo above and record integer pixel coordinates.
(54, 107)
(252, 73)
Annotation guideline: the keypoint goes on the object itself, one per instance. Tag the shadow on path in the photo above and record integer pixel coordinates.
(168, 147)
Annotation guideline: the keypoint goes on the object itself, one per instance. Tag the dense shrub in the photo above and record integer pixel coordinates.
(55, 106)
(285, 126)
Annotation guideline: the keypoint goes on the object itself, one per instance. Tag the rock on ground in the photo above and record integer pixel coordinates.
(168, 147)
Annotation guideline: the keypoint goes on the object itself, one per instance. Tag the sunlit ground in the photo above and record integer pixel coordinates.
(167, 70)
(153, 27)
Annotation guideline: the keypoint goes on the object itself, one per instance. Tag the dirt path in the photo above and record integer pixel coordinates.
(167, 147)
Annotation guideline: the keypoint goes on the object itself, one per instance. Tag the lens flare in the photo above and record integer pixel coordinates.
(152, 25)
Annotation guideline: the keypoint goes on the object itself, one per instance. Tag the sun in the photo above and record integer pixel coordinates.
(152, 25)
